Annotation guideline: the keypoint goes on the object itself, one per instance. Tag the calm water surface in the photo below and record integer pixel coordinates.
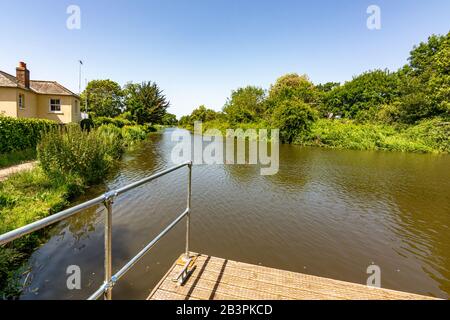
(327, 212)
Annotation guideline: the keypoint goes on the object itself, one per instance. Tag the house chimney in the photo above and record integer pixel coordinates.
(23, 75)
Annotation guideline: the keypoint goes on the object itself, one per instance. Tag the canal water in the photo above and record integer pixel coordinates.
(330, 213)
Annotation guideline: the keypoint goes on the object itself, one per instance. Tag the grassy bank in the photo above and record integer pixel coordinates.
(428, 136)
(69, 161)
(17, 157)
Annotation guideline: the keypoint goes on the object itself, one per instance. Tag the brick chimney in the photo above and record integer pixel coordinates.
(23, 75)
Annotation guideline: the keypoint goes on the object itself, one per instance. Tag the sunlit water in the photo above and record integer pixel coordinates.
(330, 213)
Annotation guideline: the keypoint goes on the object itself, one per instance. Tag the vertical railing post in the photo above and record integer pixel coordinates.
(188, 217)
(108, 248)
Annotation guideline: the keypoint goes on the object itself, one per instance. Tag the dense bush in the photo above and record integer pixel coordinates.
(294, 118)
(434, 132)
(361, 97)
(351, 135)
(88, 155)
(118, 122)
(20, 134)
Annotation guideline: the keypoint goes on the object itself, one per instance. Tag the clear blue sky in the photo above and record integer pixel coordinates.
(200, 50)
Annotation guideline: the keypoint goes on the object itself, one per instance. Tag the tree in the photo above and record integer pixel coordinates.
(327, 87)
(362, 97)
(294, 118)
(245, 105)
(184, 121)
(202, 114)
(293, 87)
(104, 97)
(426, 81)
(169, 119)
(146, 102)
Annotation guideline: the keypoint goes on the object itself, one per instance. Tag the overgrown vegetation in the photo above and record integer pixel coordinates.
(70, 159)
(406, 110)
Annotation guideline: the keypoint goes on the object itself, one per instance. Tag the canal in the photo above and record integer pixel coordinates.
(330, 213)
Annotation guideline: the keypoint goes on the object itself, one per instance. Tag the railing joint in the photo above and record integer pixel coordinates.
(110, 196)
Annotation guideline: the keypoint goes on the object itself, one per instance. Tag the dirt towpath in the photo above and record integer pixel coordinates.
(6, 172)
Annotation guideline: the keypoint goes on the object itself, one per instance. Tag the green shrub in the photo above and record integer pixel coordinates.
(88, 155)
(294, 118)
(20, 134)
(434, 132)
(118, 122)
(428, 136)
(131, 134)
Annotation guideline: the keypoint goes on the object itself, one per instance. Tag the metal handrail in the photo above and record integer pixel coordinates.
(107, 199)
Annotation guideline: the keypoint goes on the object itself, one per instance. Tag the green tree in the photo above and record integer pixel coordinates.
(294, 118)
(425, 85)
(362, 97)
(146, 102)
(293, 87)
(184, 121)
(327, 87)
(202, 114)
(104, 97)
(169, 119)
(245, 105)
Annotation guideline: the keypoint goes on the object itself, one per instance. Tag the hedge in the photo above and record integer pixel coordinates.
(20, 134)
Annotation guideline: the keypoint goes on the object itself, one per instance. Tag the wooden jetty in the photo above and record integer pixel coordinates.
(212, 278)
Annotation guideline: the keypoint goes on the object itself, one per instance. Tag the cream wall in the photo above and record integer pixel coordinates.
(76, 110)
(38, 106)
(65, 116)
(8, 102)
(30, 105)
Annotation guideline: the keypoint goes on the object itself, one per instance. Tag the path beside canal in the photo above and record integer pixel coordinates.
(6, 172)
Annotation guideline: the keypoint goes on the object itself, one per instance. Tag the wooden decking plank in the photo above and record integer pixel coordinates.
(311, 283)
(221, 279)
(249, 289)
(167, 295)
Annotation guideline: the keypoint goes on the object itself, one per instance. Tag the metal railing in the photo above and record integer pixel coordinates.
(107, 200)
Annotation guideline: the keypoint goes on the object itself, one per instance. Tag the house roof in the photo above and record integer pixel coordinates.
(38, 86)
(49, 87)
(7, 80)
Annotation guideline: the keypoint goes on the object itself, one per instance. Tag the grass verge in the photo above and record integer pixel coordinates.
(17, 157)
(69, 162)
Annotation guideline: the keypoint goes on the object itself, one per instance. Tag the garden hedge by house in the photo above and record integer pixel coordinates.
(20, 134)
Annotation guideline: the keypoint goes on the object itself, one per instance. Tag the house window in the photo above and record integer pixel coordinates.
(55, 105)
(21, 101)
(76, 106)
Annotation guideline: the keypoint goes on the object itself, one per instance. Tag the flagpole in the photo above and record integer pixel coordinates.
(86, 97)
(79, 79)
